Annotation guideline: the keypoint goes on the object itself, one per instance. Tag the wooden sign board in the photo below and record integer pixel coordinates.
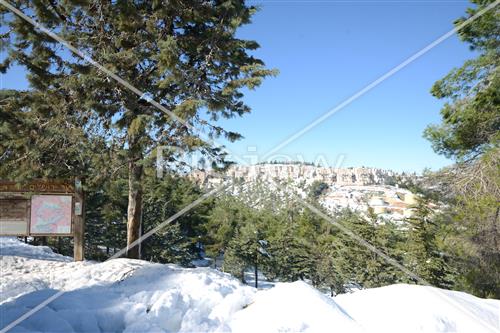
(36, 186)
(14, 217)
(43, 208)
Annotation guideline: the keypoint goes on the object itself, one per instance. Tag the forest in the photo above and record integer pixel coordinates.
(75, 121)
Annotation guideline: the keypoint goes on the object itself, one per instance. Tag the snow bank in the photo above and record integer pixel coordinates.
(10, 246)
(126, 295)
(121, 295)
(293, 307)
(411, 308)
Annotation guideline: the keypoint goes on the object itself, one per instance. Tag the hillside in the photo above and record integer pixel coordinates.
(125, 295)
(303, 172)
(353, 188)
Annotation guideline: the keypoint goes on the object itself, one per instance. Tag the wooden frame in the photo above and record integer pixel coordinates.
(11, 190)
(38, 186)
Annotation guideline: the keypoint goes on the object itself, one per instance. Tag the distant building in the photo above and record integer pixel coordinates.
(379, 205)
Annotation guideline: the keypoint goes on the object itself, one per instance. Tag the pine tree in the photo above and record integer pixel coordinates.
(290, 254)
(178, 241)
(41, 137)
(248, 248)
(363, 266)
(237, 231)
(224, 221)
(233, 262)
(469, 133)
(106, 212)
(470, 117)
(423, 255)
(390, 238)
(328, 269)
(183, 54)
(316, 189)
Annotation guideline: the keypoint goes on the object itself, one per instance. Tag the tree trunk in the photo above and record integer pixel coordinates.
(134, 212)
(256, 273)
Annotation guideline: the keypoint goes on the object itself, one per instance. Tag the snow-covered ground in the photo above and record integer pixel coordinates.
(126, 295)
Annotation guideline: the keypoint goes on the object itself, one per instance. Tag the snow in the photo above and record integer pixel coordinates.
(293, 307)
(121, 295)
(420, 309)
(125, 295)
(10, 246)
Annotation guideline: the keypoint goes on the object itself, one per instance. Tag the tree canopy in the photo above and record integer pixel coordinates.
(184, 55)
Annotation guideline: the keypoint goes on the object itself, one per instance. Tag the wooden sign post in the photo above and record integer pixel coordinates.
(79, 222)
(43, 208)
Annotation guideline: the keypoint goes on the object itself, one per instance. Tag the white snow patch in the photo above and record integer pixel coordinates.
(293, 307)
(411, 308)
(11, 246)
(120, 295)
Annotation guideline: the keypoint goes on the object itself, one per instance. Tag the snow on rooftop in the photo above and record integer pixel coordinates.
(125, 295)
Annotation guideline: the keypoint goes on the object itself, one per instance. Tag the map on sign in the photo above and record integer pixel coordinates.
(51, 214)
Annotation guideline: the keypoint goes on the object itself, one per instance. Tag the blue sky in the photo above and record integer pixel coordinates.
(326, 51)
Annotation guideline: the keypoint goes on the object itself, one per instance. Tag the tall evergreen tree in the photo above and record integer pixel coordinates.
(291, 254)
(225, 219)
(179, 241)
(471, 117)
(423, 255)
(328, 268)
(183, 54)
(40, 137)
(247, 249)
(470, 133)
(362, 266)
